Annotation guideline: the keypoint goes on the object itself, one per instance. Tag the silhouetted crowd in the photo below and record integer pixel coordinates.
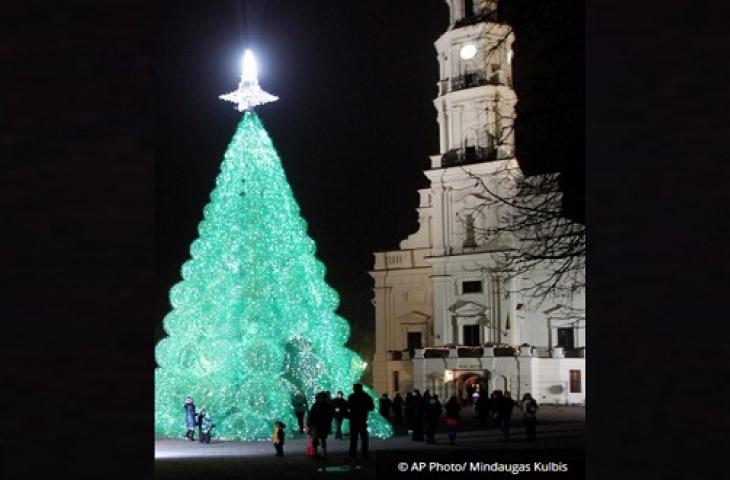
(316, 421)
(319, 420)
(414, 412)
(426, 411)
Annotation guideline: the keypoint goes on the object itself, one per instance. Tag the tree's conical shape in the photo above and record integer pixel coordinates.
(253, 320)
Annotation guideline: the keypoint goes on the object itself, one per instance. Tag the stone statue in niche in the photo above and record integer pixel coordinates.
(470, 241)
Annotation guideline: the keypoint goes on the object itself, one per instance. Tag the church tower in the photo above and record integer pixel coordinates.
(475, 107)
(475, 101)
(449, 316)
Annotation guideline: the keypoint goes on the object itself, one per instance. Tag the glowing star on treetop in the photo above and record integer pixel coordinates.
(249, 94)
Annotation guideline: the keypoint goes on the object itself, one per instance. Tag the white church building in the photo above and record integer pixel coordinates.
(448, 317)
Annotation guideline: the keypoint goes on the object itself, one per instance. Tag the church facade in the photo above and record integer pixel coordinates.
(449, 317)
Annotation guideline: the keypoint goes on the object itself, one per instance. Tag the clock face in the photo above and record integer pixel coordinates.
(468, 51)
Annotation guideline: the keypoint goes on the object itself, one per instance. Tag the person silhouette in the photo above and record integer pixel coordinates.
(359, 405)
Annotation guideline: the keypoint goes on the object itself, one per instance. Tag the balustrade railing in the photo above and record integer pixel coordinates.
(470, 352)
(486, 16)
(467, 351)
(575, 352)
(465, 156)
(470, 80)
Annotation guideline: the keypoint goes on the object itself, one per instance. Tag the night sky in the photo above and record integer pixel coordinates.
(354, 124)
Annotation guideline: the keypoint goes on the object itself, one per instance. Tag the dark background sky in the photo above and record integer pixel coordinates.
(355, 121)
(353, 126)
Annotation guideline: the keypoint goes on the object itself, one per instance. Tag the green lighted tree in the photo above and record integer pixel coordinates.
(253, 320)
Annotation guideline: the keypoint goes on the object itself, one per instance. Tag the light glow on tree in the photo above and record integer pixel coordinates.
(253, 320)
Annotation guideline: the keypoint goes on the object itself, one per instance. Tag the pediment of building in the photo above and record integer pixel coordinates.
(414, 317)
(564, 312)
(468, 308)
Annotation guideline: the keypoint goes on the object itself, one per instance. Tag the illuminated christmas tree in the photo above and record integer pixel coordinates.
(253, 320)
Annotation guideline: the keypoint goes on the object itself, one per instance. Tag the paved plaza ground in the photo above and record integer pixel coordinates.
(559, 427)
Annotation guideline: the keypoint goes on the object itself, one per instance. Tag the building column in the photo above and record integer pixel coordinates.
(443, 130)
(507, 114)
(441, 317)
(380, 358)
(501, 309)
(437, 198)
(490, 127)
(496, 307)
(513, 333)
(457, 133)
(419, 371)
(447, 220)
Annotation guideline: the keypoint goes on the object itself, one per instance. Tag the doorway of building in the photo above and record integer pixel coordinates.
(468, 384)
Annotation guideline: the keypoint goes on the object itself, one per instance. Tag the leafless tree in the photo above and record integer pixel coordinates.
(548, 249)
(548, 244)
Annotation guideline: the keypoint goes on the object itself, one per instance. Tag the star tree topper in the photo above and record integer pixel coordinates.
(248, 94)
